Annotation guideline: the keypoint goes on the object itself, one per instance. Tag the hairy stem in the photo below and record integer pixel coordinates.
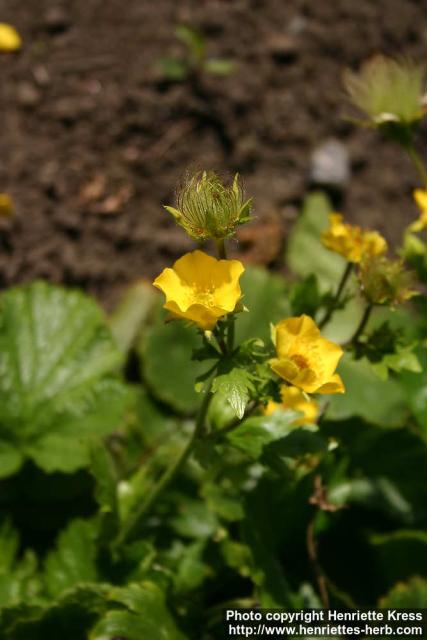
(220, 247)
(417, 162)
(362, 324)
(134, 521)
(334, 302)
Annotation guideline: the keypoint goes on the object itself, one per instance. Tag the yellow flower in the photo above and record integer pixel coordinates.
(420, 197)
(352, 241)
(295, 399)
(201, 288)
(305, 358)
(10, 39)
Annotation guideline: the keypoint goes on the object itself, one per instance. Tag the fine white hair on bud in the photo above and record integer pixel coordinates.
(206, 207)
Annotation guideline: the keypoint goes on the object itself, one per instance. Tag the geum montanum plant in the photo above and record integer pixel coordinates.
(299, 363)
(254, 377)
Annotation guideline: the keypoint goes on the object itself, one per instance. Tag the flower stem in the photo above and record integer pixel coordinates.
(135, 520)
(362, 324)
(230, 334)
(334, 303)
(220, 246)
(417, 162)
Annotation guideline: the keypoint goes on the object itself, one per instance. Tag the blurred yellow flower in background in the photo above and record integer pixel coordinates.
(305, 358)
(10, 40)
(295, 399)
(352, 241)
(201, 288)
(6, 206)
(420, 197)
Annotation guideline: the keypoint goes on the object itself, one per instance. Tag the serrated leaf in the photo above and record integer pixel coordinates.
(19, 577)
(74, 559)
(235, 388)
(403, 360)
(145, 615)
(255, 433)
(70, 617)
(58, 380)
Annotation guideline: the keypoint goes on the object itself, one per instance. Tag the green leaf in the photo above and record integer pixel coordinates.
(403, 360)
(234, 388)
(195, 519)
(219, 66)
(19, 578)
(174, 69)
(305, 296)
(191, 570)
(272, 587)
(265, 295)
(415, 385)
(374, 493)
(141, 613)
(400, 554)
(73, 560)
(69, 617)
(255, 433)
(58, 377)
(406, 595)
(377, 401)
(193, 39)
(167, 366)
(11, 459)
(104, 472)
(305, 253)
(131, 313)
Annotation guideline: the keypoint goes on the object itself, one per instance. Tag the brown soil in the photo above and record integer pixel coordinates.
(93, 139)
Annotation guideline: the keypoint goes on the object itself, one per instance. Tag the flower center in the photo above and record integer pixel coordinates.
(204, 295)
(300, 361)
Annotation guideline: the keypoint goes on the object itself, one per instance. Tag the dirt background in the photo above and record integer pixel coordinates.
(93, 140)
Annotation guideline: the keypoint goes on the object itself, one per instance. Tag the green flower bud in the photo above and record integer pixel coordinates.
(388, 91)
(385, 282)
(207, 208)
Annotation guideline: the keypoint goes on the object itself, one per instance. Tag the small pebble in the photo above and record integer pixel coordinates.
(330, 164)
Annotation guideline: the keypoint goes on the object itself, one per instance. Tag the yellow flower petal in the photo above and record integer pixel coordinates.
(10, 39)
(293, 398)
(335, 385)
(420, 197)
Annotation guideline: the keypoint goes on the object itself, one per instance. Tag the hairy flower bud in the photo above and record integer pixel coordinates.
(206, 208)
(385, 281)
(388, 91)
